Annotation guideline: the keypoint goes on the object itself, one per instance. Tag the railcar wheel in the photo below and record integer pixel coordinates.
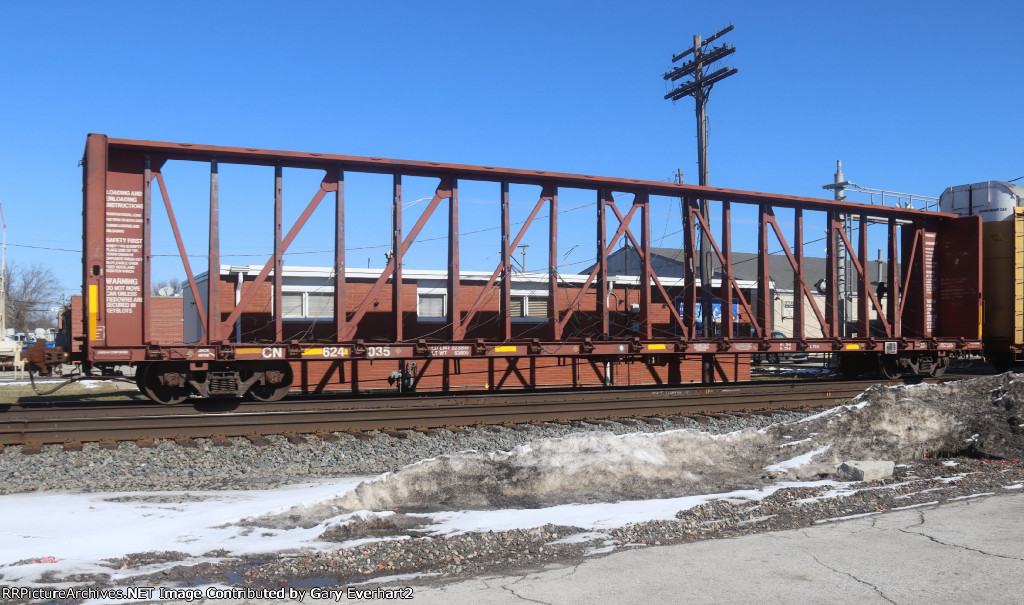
(889, 367)
(166, 383)
(940, 367)
(275, 384)
(140, 376)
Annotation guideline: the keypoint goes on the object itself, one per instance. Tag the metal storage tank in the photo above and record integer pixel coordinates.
(1001, 206)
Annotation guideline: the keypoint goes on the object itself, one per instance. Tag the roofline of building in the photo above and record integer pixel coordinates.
(441, 274)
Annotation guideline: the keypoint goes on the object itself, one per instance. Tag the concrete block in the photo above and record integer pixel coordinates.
(867, 470)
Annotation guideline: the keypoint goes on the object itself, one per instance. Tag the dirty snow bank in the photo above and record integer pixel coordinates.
(980, 417)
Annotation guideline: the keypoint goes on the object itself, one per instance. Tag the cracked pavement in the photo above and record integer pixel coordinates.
(965, 551)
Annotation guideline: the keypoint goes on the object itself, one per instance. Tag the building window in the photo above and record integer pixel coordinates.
(529, 308)
(516, 310)
(307, 305)
(537, 306)
(431, 307)
(319, 304)
(291, 305)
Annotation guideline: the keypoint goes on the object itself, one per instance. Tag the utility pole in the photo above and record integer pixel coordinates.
(699, 87)
(682, 201)
(838, 187)
(523, 264)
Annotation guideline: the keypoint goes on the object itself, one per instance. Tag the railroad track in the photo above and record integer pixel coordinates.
(34, 425)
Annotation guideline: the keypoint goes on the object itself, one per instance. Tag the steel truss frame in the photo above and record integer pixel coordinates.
(123, 163)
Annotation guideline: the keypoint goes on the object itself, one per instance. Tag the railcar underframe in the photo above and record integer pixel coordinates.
(933, 310)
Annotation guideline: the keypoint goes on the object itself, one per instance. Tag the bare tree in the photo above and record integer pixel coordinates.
(32, 292)
(175, 284)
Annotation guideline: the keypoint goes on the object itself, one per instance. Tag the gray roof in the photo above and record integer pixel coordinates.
(668, 262)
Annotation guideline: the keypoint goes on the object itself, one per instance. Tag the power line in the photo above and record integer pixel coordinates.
(44, 248)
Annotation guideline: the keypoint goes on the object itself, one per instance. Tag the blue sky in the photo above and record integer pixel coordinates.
(912, 96)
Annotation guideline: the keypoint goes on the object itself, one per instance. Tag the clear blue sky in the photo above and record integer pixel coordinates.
(912, 96)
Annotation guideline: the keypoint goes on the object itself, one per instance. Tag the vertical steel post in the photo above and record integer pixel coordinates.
(726, 285)
(554, 328)
(147, 271)
(864, 283)
(93, 241)
(454, 275)
(278, 260)
(505, 310)
(339, 256)
(798, 275)
(396, 251)
(831, 285)
(602, 266)
(764, 309)
(893, 295)
(213, 333)
(689, 270)
(646, 330)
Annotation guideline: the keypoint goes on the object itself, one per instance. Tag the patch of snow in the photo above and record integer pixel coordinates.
(831, 519)
(83, 529)
(932, 503)
(586, 536)
(396, 578)
(968, 497)
(797, 462)
(789, 443)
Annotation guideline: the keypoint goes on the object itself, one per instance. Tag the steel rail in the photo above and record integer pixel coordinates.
(42, 426)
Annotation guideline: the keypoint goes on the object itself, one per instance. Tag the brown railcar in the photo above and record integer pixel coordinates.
(591, 328)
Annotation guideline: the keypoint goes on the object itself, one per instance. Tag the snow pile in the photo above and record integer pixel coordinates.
(590, 467)
(975, 417)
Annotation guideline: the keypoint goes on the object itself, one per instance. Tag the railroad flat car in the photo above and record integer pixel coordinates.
(478, 329)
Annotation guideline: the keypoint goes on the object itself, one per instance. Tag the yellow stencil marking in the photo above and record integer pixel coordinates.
(94, 303)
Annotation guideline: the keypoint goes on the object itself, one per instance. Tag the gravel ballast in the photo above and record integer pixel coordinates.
(949, 442)
(170, 466)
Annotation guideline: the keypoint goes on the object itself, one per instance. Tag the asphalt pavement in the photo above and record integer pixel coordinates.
(971, 551)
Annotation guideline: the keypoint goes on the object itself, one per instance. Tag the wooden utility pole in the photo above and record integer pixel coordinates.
(699, 87)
